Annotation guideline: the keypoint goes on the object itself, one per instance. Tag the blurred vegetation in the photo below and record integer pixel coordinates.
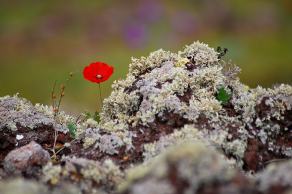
(42, 41)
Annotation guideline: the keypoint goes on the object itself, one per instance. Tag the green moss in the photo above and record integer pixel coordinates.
(72, 129)
(223, 96)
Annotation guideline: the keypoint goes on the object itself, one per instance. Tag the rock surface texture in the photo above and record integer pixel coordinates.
(179, 123)
(25, 158)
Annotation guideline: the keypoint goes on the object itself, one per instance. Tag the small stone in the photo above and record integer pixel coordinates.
(23, 158)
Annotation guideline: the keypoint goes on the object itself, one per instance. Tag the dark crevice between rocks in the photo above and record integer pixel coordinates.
(43, 135)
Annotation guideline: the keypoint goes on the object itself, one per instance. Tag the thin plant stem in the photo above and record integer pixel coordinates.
(100, 99)
(64, 146)
(55, 142)
(53, 94)
(56, 109)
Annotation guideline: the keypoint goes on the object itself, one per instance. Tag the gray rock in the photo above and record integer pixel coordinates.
(23, 158)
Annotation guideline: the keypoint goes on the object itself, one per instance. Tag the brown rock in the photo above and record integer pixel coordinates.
(25, 158)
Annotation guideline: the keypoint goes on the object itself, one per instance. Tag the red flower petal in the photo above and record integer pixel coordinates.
(98, 72)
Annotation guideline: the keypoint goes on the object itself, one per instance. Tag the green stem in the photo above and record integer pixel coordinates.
(100, 99)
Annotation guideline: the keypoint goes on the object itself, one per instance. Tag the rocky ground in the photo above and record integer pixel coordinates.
(179, 123)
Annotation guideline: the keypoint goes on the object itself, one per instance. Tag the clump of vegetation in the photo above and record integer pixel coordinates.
(223, 96)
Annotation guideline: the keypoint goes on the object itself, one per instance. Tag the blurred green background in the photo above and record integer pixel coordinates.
(42, 41)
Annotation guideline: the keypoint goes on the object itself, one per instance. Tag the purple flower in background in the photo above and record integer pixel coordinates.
(149, 11)
(135, 35)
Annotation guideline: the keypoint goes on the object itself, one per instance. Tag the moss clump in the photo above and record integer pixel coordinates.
(223, 96)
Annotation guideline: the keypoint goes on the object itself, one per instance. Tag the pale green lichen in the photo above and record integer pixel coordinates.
(196, 164)
(52, 173)
(20, 185)
(155, 59)
(188, 134)
(88, 174)
(276, 174)
(201, 53)
(18, 111)
(162, 83)
(203, 83)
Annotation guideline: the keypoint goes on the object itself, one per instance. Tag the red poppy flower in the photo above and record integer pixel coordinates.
(98, 72)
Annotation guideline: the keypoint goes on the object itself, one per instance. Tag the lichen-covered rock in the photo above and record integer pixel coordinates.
(17, 112)
(276, 178)
(22, 186)
(26, 159)
(21, 123)
(167, 93)
(91, 177)
(187, 168)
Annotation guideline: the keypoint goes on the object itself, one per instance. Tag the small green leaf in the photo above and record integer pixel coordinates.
(87, 115)
(72, 129)
(96, 117)
(223, 96)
